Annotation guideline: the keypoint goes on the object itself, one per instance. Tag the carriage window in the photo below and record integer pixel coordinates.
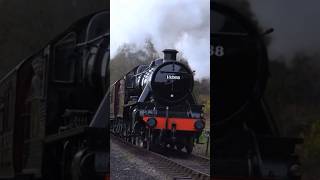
(1, 118)
(65, 59)
(225, 23)
(112, 95)
(4, 112)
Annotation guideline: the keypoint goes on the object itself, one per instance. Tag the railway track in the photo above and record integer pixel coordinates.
(176, 167)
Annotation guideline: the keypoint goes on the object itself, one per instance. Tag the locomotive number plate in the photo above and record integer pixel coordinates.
(173, 77)
(217, 50)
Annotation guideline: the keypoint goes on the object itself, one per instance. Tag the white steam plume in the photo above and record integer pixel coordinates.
(180, 24)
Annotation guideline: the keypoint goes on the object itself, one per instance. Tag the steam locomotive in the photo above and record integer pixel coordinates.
(153, 105)
(246, 141)
(53, 108)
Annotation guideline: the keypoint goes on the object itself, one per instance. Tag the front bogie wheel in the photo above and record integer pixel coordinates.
(189, 145)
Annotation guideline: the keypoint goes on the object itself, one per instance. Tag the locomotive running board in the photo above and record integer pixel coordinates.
(72, 133)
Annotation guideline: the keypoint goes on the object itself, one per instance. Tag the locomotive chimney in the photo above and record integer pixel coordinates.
(170, 54)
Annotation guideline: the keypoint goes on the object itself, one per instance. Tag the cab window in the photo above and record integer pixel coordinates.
(97, 26)
(130, 79)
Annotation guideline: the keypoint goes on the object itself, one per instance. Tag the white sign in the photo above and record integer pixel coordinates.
(173, 77)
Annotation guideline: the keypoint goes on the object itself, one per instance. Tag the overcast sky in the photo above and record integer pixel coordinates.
(296, 24)
(180, 24)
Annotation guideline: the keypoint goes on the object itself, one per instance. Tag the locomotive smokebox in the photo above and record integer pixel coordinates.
(170, 54)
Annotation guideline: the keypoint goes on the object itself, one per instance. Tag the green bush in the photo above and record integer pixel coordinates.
(311, 147)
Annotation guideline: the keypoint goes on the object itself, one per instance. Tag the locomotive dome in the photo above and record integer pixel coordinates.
(172, 81)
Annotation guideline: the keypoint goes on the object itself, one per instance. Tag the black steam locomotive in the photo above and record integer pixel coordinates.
(53, 108)
(153, 105)
(246, 141)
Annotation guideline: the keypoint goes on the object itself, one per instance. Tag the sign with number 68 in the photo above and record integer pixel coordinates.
(217, 51)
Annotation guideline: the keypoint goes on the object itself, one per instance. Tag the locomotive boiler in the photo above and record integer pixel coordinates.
(53, 107)
(153, 105)
(246, 141)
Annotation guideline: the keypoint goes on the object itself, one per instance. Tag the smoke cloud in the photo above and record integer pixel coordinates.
(183, 25)
(296, 25)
